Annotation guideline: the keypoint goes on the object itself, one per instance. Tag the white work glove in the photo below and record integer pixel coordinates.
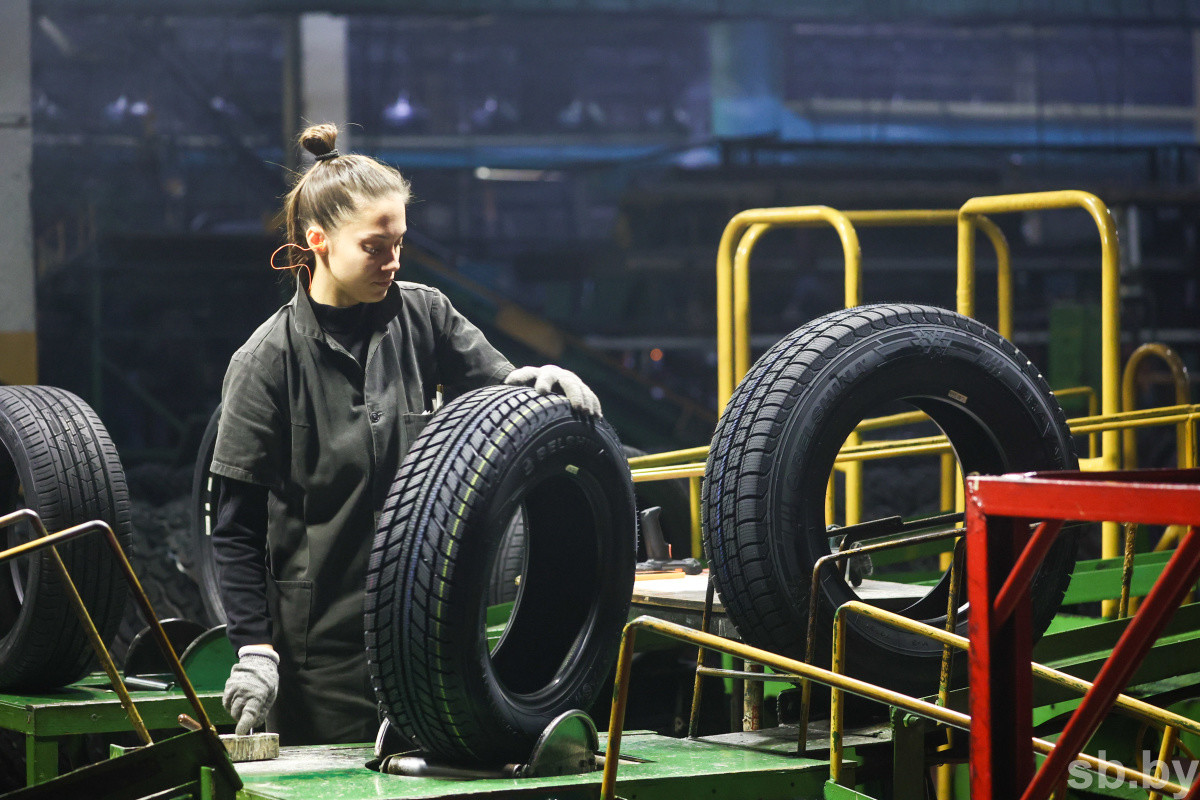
(546, 379)
(252, 686)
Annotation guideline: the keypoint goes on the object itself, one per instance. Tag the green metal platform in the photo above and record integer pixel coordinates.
(89, 706)
(660, 767)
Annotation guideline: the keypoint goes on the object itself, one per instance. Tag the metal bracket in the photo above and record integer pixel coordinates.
(568, 746)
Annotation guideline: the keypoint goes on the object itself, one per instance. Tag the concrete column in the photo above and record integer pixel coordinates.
(324, 71)
(18, 336)
(1196, 81)
(747, 78)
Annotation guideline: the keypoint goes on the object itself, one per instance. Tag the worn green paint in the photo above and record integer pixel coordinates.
(1102, 635)
(908, 754)
(1092, 580)
(1163, 662)
(172, 766)
(669, 769)
(41, 759)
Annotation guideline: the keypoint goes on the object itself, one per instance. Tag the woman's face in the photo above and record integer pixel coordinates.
(361, 256)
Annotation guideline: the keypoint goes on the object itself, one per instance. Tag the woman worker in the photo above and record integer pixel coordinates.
(319, 407)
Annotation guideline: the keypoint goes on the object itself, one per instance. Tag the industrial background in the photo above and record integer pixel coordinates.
(581, 165)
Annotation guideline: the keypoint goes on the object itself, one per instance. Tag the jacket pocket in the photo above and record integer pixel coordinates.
(411, 426)
(290, 604)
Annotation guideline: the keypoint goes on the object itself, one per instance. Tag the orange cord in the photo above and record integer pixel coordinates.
(293, 266)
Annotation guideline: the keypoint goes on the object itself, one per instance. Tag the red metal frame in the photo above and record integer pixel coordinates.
(1001, 560)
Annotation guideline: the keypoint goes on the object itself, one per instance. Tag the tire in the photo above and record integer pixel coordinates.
(162, 556)
(58, 460)
(481, 457)
(204, 513)
(774, 447)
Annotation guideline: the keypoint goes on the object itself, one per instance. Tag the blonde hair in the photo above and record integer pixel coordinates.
(333, 189)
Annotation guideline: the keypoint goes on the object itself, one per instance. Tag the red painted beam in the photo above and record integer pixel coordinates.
(1001, 564)
(1156, 610)
(1022, 573)
(1000, 652)
(1101, 500)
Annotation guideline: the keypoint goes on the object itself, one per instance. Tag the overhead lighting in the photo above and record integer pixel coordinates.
(501, 174)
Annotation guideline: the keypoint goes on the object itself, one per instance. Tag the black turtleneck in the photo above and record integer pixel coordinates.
(349, 326)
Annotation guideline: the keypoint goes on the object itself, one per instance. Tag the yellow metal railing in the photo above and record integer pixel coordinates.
(1183, 397)
(741, 236)
(48, 541)
(733, 285)
(677, 464)
(788, 666)
(1110, 319)
(1171, 722)
(1093, 408)
(745, 230)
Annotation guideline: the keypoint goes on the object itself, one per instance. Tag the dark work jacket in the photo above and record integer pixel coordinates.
(325, 435)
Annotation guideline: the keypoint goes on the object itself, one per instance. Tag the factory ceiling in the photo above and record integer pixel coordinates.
(954, 11)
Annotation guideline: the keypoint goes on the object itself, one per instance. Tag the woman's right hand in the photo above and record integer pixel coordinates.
(252, 685)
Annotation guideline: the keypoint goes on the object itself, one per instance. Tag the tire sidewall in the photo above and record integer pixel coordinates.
(204, 513)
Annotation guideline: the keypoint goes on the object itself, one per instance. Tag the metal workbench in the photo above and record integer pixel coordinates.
(89, 706)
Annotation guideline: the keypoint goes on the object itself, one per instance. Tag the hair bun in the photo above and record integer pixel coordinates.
(319, 139)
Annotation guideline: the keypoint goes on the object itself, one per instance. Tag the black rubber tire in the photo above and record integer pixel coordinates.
(57, 459)
(204, 509)
(481, 457)
(774, 447)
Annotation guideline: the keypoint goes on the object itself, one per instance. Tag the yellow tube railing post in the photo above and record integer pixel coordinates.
(1109, 257)
(694, 509)
(733, 308)
(729, 336)
(1183, 396)
(1004, 295)
(1110, 321)
(741, 298)
(841, 682)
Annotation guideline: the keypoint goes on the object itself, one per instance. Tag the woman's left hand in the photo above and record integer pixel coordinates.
(545, 379)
